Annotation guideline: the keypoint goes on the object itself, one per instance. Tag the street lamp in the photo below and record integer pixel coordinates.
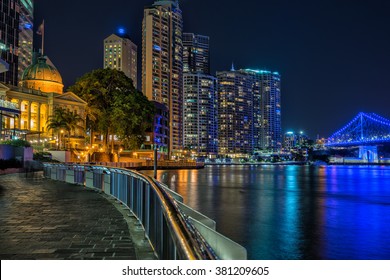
(61, 137)
(119, 155)
(155, 161)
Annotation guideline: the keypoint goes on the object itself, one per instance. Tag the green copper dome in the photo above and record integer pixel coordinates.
(41, 71)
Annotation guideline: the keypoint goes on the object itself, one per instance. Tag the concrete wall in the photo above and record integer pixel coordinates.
(62, 156)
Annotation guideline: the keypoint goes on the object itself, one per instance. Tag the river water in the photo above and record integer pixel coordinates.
(294, 212)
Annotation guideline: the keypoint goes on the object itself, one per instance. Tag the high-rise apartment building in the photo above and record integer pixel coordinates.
(249, 111)
(26, 35)
(199, 105)
(196, 53)
(200, 113)
(267, 109)
(121, 53)
(9, 39)
(162, 63)
(267, 104)
(235, 113)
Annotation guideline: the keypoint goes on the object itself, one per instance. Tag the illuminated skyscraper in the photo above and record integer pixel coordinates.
(162, 63)
(200, 104)
(121, 53)
(200, 113)
(267, 109)
(196, 53)
(9, 39)
(26, 35)
(249, 111)
(235, 113)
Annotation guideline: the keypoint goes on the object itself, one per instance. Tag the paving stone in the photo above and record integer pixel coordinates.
(45, 219)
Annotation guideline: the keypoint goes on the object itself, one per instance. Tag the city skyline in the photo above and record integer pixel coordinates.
(331, 56)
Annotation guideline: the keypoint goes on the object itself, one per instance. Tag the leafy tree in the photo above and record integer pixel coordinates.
(114, 106)
(16, 143)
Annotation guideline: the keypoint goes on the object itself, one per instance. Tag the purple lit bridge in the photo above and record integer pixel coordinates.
(366, 131)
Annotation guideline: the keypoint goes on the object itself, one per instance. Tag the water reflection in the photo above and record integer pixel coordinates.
(294, 212)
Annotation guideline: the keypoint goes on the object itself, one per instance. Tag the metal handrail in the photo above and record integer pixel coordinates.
(190, 240)
(173, 237)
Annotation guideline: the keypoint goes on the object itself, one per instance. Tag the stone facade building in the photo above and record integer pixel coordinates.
(39, 92)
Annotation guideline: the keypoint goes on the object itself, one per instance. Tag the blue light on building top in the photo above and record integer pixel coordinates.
(121, 30)
(262, 72)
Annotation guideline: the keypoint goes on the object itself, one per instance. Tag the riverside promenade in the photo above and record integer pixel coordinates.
(45, 219)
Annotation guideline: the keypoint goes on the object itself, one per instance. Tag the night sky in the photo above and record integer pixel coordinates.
(333, 55)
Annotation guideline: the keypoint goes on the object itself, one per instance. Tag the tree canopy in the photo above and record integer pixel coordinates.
(114, 106)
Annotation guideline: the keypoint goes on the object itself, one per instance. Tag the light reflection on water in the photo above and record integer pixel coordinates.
(294, 212)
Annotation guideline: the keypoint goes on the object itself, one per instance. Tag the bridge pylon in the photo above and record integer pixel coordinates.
(369, 154)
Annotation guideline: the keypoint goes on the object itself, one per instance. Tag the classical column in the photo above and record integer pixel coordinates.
(39, 118)
(20, 115)
(29, 115)
(39, 122)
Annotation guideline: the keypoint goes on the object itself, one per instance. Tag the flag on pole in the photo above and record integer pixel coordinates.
(41, 31)
(41, 28)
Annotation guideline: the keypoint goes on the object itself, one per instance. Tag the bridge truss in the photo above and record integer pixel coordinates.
(364, 129)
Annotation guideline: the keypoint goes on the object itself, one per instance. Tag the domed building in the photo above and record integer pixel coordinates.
(40, 91)
(43, 77)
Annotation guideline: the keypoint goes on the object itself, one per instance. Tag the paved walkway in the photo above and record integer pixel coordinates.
(44, 219)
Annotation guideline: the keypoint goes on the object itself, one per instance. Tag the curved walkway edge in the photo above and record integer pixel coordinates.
(45, 219)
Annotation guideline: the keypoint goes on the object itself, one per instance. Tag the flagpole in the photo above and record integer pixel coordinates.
(43, 36)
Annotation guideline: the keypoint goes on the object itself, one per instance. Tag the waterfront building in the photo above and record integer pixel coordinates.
(200, 113)
(196, 57)
(162, 64)
(290, 140)
(25, 50)
(249, 111)
(267, 109)
(39, 92)
(9, 40)
(121, 53)
(295, 140)
(303, 139)
(235, 113)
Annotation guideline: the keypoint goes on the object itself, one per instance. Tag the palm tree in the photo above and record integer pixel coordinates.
(57, 122)
(72, 121)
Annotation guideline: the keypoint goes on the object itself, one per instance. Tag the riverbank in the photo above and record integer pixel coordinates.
(258, 163)
(174, 167)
